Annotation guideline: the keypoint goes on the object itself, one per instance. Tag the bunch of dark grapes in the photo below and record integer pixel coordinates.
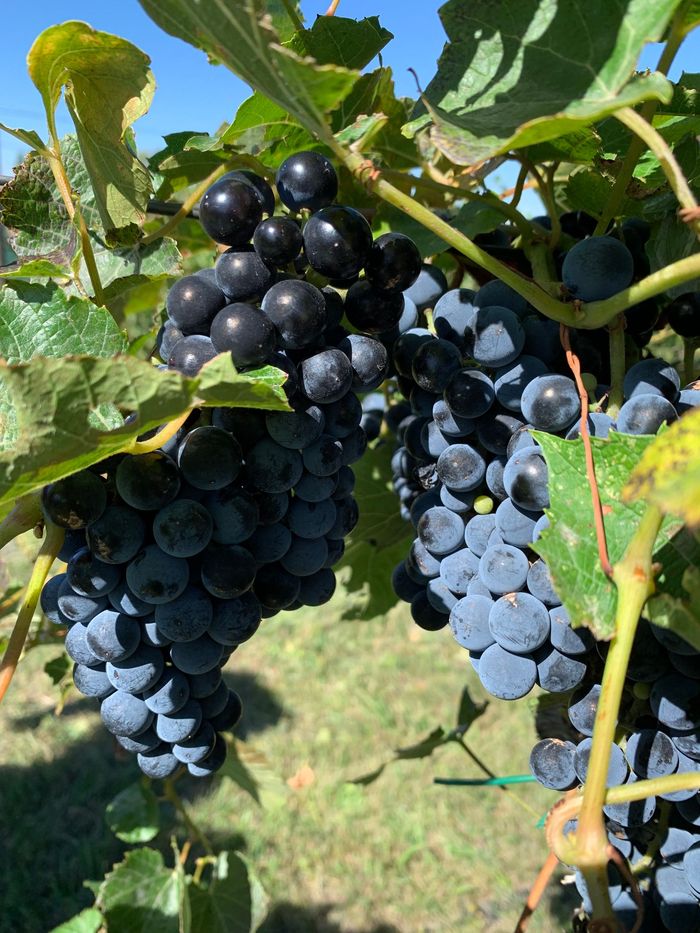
(474, 484)
(174, 557)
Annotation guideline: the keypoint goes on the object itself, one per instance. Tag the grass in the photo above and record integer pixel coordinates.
(325, 702)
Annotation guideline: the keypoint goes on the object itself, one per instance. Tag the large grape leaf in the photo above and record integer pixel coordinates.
(337, 40)
(87, 921)
(133, 815)
(233, 902)
(108, 85)
(141, 894)
(238, 34)
(515, 74)
(472, 218)
(53, 402)
(569, 544)
(668, 473)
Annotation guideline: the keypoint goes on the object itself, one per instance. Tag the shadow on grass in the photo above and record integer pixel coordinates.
(291, 918)
(261, 707)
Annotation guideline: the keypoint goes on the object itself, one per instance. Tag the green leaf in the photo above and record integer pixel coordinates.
(580, 146)
(514, 75)
(472, 218)
(52, 401)
(569, 544)
(234, 901)
(141, 895)
(469, 711)
(37, 269)
(87, 921)
(337, 40)
(108, 85)
(133, 814)
(378, 542)
(251, 770)
(177, 167)
(236, 33)
(41, 320)
(58, 668)
(28, 137)
(670, 240)
(134, 294)
(588, 190)
(668, 474)
(267, 130)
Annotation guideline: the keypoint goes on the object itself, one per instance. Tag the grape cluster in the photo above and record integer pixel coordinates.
(175, 556)
(474, 484)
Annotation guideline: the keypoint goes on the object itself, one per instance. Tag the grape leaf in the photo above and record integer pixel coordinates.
(28, 137)
(668, 473)
(133, 814)
(52, 403)
(108, 85)
(37, 269)
(569, 544)
(237, 33)
(141, 894)
(87, 921)
(473, 218)
(58, 668)
(251, 770)
(670, 240)
(513, 75)
(234, 901)
(337, 40)
(589, 190)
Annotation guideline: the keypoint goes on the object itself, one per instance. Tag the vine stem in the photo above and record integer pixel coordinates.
(633, 576)
(187, 205)
(194, 831)
(655, 142)
(48, 552)
(616, 342)
(162, 437)
(690, 345)
(25, 514)
(536, 891)
(636, 147)
(292, 13)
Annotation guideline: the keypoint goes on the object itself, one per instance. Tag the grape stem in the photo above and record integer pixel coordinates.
(538, 888)
(162, 436)
(332, 7)
(616, 343)
(48, 552)
(690, 345)
(633, 576)
(671, 169)
(171, 795)
(25, 514)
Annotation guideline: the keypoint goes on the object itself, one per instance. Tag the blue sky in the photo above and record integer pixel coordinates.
(193, 95)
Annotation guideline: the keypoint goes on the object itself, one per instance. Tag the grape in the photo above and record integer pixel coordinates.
(440, 530)
(326, 376)
(425, 615)
(166, 338)
(235, 620)
(651, 754)
(90, 577)
(183, 528)
(92, 681)
(211, 763)
(311, 519)
(496, 336)
(298, 311)
(190, 353)
(213, 704)
(478, 531)
(558, 673)
(598, 423)
(313, 488)
(505, 675)
(76, 608)
(169, 693)
(75, 501)
(296, 429)
(198, 656)
(652, 376)
(452, 315)
(278, 240)
(196, 748)
(552, 763)
(227, 570)
(551, 403)
(305, 556)
(124, 714)
(433, 441)
(582, 709)
(539, 583)
(512, 380)
(428, 287)
(347, 516)
(273, 468)
(274, 587)
(370, 310)
(439, 596)
(634, 813)
(403, 585)
(368, 358)
(117, 535)
(246, 332)
(229, 211)
(112, 636)
(192, 304)
(597, 268)
(644, 414)
(185, 618)
(140, 671)
(617, 768)
(209, 458)
(461, 468)
(306, 180)
(148, 481)
(469, 621)
(565, 638)
(459, 502)
(434, 363)
(158, 763)
(203, 685)
(337, 241)
(263, 191)
(675, 702)
(518, 621)
(78, 648)
(514, 524)
(503, 569)
(393, 263)
(405, 348)
(179, 726)
(269, 543)
(235, 514)
(469, 393)
(155, 576)
(343, 416)
(683, 314)
(497, 293)
(323, 457)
